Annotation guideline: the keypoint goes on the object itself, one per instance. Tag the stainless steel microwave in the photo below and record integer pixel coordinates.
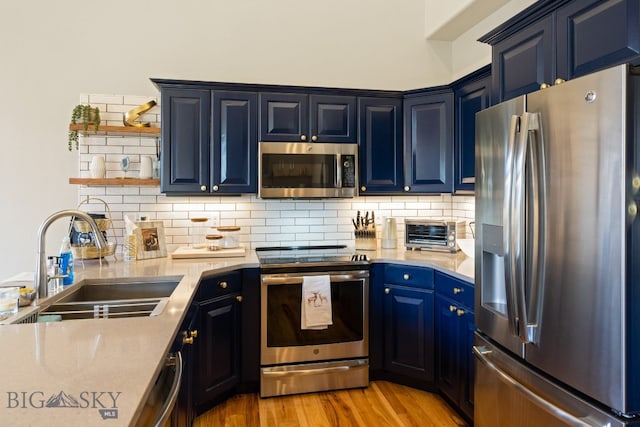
(433, 234)
(299, 170)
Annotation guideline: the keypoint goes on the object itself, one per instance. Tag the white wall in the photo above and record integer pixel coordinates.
(468, 54)
(54, 51)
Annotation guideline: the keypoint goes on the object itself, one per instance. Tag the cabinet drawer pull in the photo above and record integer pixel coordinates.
(406, 276)
(239, 298)
(387, 291)
(457, 290)
(223, 285)
(452, 308)
(460, 313)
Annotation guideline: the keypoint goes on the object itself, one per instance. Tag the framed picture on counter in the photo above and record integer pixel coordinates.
(150, 240)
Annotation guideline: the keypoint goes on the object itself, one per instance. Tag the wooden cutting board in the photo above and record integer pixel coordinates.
(187, 252)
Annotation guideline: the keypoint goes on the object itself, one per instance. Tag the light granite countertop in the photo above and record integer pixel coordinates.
(104, 369)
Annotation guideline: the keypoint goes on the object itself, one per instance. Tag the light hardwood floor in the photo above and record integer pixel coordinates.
(381, 404)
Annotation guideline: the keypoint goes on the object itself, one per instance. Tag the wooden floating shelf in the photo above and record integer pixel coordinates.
(117, 130)
(115, 181)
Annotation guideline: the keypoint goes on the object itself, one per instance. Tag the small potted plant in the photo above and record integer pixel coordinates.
(87, 115)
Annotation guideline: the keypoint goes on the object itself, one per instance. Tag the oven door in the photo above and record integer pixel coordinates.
(282, 338)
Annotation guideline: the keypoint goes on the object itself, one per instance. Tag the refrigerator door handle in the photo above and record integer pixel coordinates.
(517, 225)
(482, 354)
(509, 265)
(536, 218)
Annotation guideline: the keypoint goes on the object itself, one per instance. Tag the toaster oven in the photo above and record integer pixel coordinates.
(433, 234)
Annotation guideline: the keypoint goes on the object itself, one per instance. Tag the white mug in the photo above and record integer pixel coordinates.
(146, 167)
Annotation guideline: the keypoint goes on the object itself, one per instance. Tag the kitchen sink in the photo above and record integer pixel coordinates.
(114, 298)
(122, 289)
(106, 309)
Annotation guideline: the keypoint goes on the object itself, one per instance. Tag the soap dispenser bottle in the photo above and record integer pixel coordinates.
(66, 261)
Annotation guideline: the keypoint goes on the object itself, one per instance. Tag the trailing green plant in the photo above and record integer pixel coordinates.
(87, 115)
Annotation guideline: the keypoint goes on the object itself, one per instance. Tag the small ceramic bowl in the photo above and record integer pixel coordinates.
(27, 295)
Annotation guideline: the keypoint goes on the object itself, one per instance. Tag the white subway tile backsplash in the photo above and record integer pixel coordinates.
(105, 99)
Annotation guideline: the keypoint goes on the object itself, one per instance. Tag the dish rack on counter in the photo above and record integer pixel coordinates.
(89, 250)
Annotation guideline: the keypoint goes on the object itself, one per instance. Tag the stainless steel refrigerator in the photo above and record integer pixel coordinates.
(557, 263)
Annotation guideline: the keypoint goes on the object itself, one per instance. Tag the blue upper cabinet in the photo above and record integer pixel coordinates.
(524, 61)
(380, 150)
(333, 118)
(209, 139)
(472, 94)
(185, 117)
(284, 117)
(235, 142)
(561, 39)
(428, 142)
(297, 117)
(595, 34)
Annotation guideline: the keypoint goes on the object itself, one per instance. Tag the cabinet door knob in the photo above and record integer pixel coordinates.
(303, 137)
(558, 81)
(452, 308)
(544, 85)
(239, 298)
(457, 290)
(407, 188)
(203, 188)
(363, 188)
(188, 336)
(223, 285)
(314, 138)
(216, 188)
(460, 313)
(387, 291)
(406, 276)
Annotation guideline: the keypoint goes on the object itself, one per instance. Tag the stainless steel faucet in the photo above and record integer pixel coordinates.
(42, 279)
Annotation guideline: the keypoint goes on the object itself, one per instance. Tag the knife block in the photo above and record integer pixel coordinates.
(366, 240)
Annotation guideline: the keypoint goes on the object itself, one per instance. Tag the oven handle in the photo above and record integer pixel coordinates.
(297, 280)
(307, 371)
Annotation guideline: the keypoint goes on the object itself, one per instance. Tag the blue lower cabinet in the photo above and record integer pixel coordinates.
(454, 341)
(409, 332)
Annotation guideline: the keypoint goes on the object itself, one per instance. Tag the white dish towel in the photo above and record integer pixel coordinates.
(316, 303)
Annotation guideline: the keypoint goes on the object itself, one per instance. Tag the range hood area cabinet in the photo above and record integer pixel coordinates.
(561, 40)
(298, 117)
(209, 141)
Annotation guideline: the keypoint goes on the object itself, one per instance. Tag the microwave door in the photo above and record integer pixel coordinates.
(498, 266)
